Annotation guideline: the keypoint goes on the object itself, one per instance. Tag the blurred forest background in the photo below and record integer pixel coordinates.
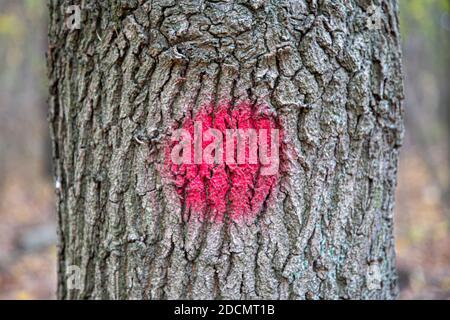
(27, 214)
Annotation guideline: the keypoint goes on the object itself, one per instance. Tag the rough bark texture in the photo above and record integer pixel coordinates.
(137, 66)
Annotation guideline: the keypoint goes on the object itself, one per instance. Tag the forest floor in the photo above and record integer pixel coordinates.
(422, 229)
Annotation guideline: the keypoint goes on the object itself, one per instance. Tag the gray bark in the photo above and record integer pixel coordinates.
(134, 67)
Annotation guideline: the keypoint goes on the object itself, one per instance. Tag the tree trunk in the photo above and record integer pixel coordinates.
(331, 78)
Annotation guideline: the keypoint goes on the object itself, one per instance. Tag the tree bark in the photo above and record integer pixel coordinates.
(136, 67)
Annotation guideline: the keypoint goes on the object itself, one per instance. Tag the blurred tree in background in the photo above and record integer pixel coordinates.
(426, 41)
(26, 197)
(23, 84)
(422, 208)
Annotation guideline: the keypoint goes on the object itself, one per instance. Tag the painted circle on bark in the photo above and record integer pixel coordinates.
(225, 161)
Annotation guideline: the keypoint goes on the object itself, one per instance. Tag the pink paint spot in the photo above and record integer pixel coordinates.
(214, 191)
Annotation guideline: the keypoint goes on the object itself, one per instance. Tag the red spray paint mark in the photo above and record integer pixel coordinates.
(212, 191)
